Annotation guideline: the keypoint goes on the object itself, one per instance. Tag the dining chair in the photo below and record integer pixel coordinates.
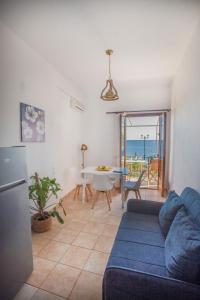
(79, 186)
(102, 184)
(133, 186)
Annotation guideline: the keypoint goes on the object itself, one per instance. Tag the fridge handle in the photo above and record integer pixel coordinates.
(12, 184)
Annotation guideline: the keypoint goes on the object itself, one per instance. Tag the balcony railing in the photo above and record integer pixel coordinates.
(136, 166)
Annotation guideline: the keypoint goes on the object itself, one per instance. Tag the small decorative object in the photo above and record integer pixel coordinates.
(32, 123)
(83, 149)
(109, 93)
(40, 192)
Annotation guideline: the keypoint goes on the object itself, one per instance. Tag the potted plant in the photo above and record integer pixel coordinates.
(40, 192)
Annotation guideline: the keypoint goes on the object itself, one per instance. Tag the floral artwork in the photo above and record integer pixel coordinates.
(32, 123)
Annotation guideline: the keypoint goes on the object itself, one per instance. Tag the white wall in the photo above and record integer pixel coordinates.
(185, 163)
(26, 77)
(103, 130)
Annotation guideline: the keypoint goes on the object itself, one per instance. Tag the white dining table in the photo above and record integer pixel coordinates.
(118, 172)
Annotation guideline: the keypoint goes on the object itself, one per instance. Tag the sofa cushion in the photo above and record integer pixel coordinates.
(140, 236)
(191, 200)
(139, 252)
(139, 245)
(182, 248)
(168, 211)
(145, 222)
(129, 264)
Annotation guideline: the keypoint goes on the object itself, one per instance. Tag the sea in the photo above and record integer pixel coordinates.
(135, 148)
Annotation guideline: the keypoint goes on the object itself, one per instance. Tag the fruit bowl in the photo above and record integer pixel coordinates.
(103, 168)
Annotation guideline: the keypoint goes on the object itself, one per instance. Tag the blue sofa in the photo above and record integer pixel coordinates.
(136, 267)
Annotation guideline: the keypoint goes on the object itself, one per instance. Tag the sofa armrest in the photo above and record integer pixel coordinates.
(144, 206)
(125, 284)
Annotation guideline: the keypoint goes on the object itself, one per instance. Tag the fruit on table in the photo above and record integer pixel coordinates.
(102, 167)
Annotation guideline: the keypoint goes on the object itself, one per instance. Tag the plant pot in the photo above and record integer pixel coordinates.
(41, 225)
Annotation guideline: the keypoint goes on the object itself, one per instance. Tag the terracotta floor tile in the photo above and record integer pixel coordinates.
(42, 268)
(76, 257)
(43, 295)
(99, 212)
(66, 235)
(38, 243)
(61, 280)
(104, 244)
(26, 292)
(110, 230)
(99, 219)
(93, 227)
(81, 219)
(117, 213)
(88, 287)
(114, 220)
(96, 262)
(51, 233)
(54, 250)
(86, 240)
(75, 225)
(66, 220)
(83, 216)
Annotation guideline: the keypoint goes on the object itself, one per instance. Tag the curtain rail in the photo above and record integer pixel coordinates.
(139, 111)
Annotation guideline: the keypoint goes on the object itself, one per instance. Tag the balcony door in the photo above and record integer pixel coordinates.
(142, 147)
(162, 154)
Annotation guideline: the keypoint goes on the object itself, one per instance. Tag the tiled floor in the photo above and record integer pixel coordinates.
(70, 259)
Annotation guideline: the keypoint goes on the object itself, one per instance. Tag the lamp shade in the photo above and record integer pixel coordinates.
(84, 147)
(109, 92)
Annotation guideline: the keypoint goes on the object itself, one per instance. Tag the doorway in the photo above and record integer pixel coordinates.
(142, 148)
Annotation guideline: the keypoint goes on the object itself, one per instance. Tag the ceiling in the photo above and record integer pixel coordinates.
(148, 36)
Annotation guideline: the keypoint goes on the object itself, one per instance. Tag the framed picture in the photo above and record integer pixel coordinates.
(32, 123)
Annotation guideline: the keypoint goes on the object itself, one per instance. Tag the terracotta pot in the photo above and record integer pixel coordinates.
(41, 225)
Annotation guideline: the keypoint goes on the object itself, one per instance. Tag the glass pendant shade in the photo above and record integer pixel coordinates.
(109, 92)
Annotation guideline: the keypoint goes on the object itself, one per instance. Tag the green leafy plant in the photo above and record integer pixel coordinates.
(40, 192)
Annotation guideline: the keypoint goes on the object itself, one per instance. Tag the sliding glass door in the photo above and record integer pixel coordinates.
(142, 147)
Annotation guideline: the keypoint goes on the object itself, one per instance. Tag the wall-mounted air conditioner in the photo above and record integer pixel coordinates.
(75, 104)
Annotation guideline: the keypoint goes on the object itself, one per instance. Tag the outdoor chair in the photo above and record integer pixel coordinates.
(134, 186)
(153, 171)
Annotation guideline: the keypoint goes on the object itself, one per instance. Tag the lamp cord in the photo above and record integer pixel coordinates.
(109, 67)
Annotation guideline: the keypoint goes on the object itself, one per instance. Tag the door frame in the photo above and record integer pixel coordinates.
(147, 114)
(120, 146)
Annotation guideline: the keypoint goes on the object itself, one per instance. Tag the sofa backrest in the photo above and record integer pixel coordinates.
(191, 200)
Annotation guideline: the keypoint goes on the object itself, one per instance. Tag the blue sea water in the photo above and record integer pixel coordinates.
(136, 148)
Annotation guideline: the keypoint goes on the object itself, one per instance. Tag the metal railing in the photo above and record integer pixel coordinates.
(136, 166)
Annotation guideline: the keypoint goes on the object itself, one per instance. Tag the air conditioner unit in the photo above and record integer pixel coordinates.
(75, 104)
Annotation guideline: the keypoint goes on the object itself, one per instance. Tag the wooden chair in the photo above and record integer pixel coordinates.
(102, 184)
(79, 186)
(134, 186)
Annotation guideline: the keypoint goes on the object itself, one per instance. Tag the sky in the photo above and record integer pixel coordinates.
(134, 133)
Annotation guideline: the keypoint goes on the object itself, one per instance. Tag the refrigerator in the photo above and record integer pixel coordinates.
(16, 262)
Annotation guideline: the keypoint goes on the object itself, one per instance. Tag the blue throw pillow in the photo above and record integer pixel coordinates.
(182, 248)
(168, 211)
